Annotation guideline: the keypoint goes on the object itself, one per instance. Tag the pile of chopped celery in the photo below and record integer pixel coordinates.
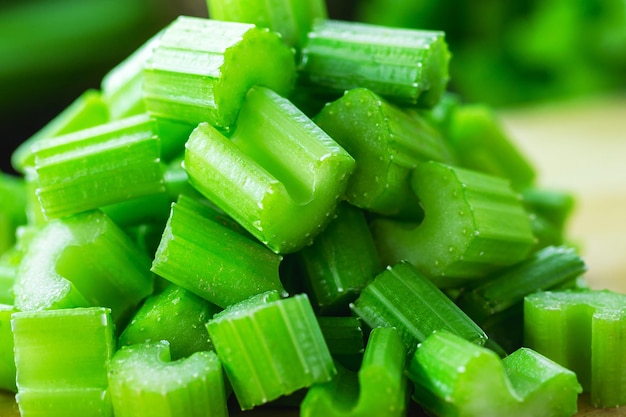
(273, 208)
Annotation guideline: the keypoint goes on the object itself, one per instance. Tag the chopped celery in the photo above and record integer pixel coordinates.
(270, 347)
(201, 254)
(12, 209)
(143, 382)
(7, 359)
(453, 377)
(279, 175)
(378, 389)
(344, 338)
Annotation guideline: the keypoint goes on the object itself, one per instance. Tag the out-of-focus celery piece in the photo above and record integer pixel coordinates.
(583, 331)
(80, 261)
(61, 357)
(474, 223)
(344, 338)
(279, 174)
(453, 377)
(403, 65)
(497, 303)
(403, 298)
(270, 347)
(201, 69)
(88, 110)
(143, 381)
(482, 144)
(175, 315)
(378, 389)
(9, 262)
(12, 209)
(387, 144)
(7, 359)
(293, 19)
(203, 255)
(550, 210)
(94, 167)
(340, 262)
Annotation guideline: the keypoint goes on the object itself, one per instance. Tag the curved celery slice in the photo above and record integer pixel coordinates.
(403, 298)
(61, 358)
(270, 347)
(7, 358)
(279, 175)
(201, 69)
(144, 382)
(453, 377)
(474, 223)
(582, 330)
(387, 144)
(208, 258)
(379, 388)
(405, 65)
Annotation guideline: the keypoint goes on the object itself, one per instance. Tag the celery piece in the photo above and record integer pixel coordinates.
(34, 213)
(175, 315)
(403, 298)
(12, 208)
(173, 134)
(483, 144)
(378, 389)
(201, 254)
(344, 338)
(201, 69)
(293, 19)
(270, 347)
(148, 209)
(80, 261)
(88, 110)
(582, 330)
(143, 381)
(387, 144)
(98, 166)
(61, 358)
(7, 359)
(474, 224)
(403, 65)
(279, 175)
(453, 377)
(9, 262)
(341, 261)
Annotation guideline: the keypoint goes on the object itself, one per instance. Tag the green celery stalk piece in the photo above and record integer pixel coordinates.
(474, 224)
(387, 144)
(61, 358)
(9, 262)
(582, 331)
(13, 197)
(454, 377)
(201, 69)
(173, 134)
(270, 347)
(340, 262)
(403, 65)
(88, 110)
(175, 315)
(378, 389)
(200, 252)
(279, 175)
(143, 381)
(80, 261)
(292, 19)
(344, 338)
(403, 298)
(98, 166)
(7, 358)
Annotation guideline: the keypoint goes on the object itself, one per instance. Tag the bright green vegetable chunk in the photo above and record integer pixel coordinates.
(201, 254)
(403, 65)
(583, 331)
(61, 357)
(474, 224)
(94, 167)
(454, 377)
(387, 144)
(279, 175)
(378, 389)
(143, 382)
(270, 347)
(201, 69)
(12, 209)
(7, 358)
(343, 334)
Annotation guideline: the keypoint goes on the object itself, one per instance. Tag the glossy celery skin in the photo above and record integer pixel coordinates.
(581, 330)
(453, 377)
(403, 298)
(12, 209)
(378, 389)
(7, 359)
(279, 175)
(270, 347)
(143, 381)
